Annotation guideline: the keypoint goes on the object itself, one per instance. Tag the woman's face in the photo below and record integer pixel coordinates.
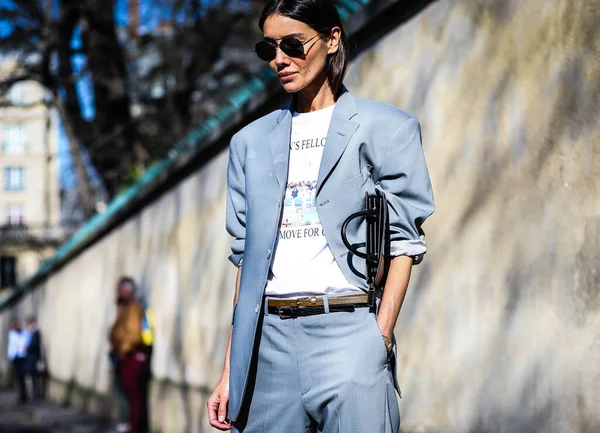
(297, 73)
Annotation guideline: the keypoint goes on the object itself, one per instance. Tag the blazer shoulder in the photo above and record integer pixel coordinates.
(379, 111)
(258, 128)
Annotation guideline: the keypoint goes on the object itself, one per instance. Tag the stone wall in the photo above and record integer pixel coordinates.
(500, 330)
(177, 249)
(498, 333)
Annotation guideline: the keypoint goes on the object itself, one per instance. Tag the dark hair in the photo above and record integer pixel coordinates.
(127, 280)
(321, 15)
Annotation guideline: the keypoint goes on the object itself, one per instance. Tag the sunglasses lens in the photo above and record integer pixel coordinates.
(292, 47)
(265, 50)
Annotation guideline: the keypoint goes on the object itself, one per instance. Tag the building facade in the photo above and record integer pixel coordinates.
(30, 222)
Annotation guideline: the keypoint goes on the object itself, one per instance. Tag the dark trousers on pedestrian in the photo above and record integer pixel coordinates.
(133, 370)
(122, 405)
(19, 368)
(34, 375)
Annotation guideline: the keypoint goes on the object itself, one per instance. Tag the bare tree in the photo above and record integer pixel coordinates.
(144, 86)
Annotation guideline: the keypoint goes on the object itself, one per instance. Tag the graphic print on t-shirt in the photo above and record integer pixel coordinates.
(309, 135)
(303, 263)
(301, 240)
(300, 211)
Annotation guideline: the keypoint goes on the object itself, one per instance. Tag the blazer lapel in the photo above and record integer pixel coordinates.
(279, 142)
(341, 130)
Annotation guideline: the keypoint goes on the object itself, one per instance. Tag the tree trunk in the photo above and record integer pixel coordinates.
(111, 150)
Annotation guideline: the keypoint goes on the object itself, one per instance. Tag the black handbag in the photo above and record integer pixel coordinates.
(377, 242)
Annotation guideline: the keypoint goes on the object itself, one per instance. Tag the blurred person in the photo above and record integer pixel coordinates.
(131, 338)
(17, 352)
(123, 415)
(123, 425)
(307, 351)
(34, 356)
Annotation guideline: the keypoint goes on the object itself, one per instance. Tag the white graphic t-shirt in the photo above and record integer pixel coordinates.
(303, 264)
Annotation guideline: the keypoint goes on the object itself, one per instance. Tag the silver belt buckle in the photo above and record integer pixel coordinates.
(306, 301)
(285, 313)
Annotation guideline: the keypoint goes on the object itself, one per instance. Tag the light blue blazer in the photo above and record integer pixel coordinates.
(369, 146)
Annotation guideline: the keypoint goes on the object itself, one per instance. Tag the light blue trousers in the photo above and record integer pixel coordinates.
(324, 373)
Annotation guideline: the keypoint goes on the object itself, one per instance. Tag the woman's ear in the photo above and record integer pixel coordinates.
(333, 43)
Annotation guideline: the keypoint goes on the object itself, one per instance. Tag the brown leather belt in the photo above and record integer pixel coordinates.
(315, 301)
(312, 305)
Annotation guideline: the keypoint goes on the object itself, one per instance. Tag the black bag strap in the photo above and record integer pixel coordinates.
(377, 241)
(363, 213)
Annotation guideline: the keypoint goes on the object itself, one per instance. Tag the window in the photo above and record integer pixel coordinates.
(16, 94)
(14, 215)
(14, 178)
(8, 274)
(14, 140)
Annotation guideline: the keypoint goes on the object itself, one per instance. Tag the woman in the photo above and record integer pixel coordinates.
(306, 352)
(131, 353)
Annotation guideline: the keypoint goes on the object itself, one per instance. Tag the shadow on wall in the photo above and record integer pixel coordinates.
(502, 318)
(395, 16)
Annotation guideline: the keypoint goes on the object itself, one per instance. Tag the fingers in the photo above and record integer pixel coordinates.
(217, 412)
(222, 412)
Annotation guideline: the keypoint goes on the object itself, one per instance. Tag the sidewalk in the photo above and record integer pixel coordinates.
(43, 417)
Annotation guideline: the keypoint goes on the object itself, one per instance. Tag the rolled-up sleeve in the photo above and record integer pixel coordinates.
(404, 179)
(236, 204)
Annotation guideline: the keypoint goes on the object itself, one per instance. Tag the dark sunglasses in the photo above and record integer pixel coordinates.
(293, 47)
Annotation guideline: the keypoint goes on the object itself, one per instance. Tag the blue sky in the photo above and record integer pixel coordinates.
(86, 101)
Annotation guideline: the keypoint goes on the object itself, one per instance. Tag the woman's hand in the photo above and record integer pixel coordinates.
(217, 404)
